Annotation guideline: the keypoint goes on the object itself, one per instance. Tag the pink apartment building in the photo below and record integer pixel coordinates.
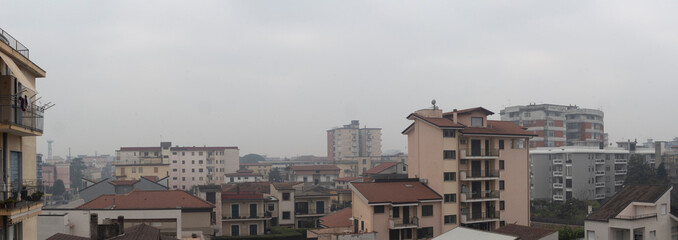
(479, 166)
(192, 166)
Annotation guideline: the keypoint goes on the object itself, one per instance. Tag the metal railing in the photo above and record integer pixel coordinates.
(12, 112)
(619, 183)
(600, 184)
(600, 196)
(12, 42)
(600, 161)
(620, 161)
(480, 195)
(309, 211)
(479, 152)
(620, 171)
(557, 185)
(558, 197)
(600, 173)
(466, 174)
(558, 161)
(483, 216)
(639, 216)
(400, 222)
(557, 173)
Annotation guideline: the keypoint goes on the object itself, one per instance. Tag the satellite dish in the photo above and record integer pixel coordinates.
(433, 102)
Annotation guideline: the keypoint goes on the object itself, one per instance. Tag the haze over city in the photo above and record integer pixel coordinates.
(272, 77)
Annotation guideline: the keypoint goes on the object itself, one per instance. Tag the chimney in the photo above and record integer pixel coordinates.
(121, 224)
(454, 116)
(93, 223)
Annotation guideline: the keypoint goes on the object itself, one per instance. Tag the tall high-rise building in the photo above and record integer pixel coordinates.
(21, 121)
(479, 166)
(353, 141)
(558, 125)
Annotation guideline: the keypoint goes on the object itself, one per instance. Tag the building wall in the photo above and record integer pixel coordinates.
(79, 219)
(516, 191)
(63, 171)
(52, 224)
(244, 227)
(284, 206)
(353, 141)
(132, 172)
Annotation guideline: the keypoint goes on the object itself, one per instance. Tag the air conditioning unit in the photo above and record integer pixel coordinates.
(424, 180)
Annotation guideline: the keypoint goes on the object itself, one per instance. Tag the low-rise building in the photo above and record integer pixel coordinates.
(527, 233)
(406, 209)
(112, 186)
(636, 212)
(244, 211)
(310, 204)
(314, 174)
(390, 170)
(262, 169)
(285, 193)
(241, 176)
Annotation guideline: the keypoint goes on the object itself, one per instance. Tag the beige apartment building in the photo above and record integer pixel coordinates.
(132, 163)
(353, 141)
(21, 121)
(192, 166)
(480, 166)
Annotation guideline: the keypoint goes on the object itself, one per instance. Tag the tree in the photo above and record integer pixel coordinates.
(661, 173)
(76, 172)
(274, 176)
(639, 172)
(252, 158)
(58, 189)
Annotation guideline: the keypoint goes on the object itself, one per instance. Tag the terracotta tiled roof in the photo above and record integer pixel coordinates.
(629, 194)
(498, 128)
(338, 219)
(137, 199)
(524, 232)
(346, 179)
(149, 149)
(151, 178)
(201, 148)
(469, 110)
(141, 232)
(255, 164)
(439, 122)
(395, 192)
(242, 174)
(285, 185)
(381, 167)
(314, 167)
(61, 236)
(124, 182)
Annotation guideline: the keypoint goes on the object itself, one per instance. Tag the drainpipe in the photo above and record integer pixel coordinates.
(5, 152)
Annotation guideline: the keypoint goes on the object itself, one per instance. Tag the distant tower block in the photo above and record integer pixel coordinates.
(49, 149)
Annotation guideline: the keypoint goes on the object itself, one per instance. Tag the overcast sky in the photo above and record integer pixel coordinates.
(272, 76)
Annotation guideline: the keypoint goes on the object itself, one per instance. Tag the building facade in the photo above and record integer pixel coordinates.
(353, 141)
(193, 166)
(480, 166)
(558, 125)
(21, 122)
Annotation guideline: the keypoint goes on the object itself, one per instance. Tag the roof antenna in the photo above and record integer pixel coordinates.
(434, 104)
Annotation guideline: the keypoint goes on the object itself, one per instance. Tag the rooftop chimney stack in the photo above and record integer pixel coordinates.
(93, 223)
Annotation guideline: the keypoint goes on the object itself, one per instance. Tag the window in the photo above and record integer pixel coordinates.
(271, 207)
(192, 161)
(653, 235)
(183, 178)
(501, 164)
(590, 235)
(183, 153)
(450, 176)
(155, 170)
(450, 154)
(235, 230)
(502, 223)
(134, 170)
(183, 170)
(451, 198)
(286, 215)
(199, 161)
(174, 153)
(476, 121)
(199, 153)
(501, 205)
(450, 219)
(192, 169)
(253, 227)
(427, 210)
(192, 153)
(174, 178)
(286, 196)
(501, 144)
(174, 161)
(663, 209)
(378, 209)
(501, 184)
(174, 169)
(364, 161)
(199, 169)
(183, 162)
(426, 232)
(449, 133)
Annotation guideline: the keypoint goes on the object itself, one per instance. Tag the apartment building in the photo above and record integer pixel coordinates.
(353, 141)
(310, 204)
(192, 166)
(405, 209)
(134, 162)
(242, 176)
(263, 169)
(21, 122)
(314, 174)
(285, 193)
(558, 125)
(584, 173)
(636, 212)
(480, 166)
(245, 211)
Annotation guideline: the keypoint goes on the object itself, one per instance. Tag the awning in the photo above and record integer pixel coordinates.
(17, 71)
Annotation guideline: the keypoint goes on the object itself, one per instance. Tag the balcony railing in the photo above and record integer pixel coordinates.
(600, 161)
(639, 216)
(467, 175)
(309, 211)
(482, 217)
(13, 113)
(620, 161)
(600, 184)
(479, 153)
(244, 218)
(558, 185)
(557, 161)
(557, 173)
(479, 196)
(558, 197)
(620, 172)
(396, 223)
(619, 183)
(600, 173)
(12, 42)
(600, 196)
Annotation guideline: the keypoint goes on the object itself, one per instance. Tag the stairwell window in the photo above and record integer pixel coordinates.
(476, 121)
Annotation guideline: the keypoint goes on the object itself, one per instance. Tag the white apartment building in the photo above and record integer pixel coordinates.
(353, 141)
(192, 166)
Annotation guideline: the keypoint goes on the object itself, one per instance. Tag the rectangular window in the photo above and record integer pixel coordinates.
(155, 170)
(427, 210)
(501, 144)
(199, 161)
(286, 196)
(451, 198)
(253, 227)
(476, 121)
(199, 153)
(450, 176)
(501, 184)
(426, 232)
(199, 169)
(590, 235)
(449, 133)
(378, 209)
(450, 219)
(174, 169)
(286, 215)
(174, 153)
(501, 205)
(502, 223)
(663, 209)
(450, 154)
(501, 164)
(235, 230)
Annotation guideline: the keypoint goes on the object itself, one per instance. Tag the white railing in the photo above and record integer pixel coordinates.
(558, 197)
(600, 173)
(620, 172)
(618, 183)
(620, 161)
(557, 161)
(557, 185)
(557, 173)
(600, 161)
(600, 184)
(600, 196)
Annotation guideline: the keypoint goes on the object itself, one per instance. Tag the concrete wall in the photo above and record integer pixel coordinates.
(79, 219)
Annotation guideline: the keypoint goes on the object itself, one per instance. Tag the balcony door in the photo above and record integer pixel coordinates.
(475, 168)
(475, 189)
(253, 210)
(235, 210)
(16, 177)
(406, 214)
(476, 210)
(475, 148)
(320, 207)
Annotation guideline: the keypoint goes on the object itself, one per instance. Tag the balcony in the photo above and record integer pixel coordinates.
(600, 184)
(479, 153)
(600, 173)
(600, 196)
(258, 217)
(558, 161)
(557, 173)
(620, 161)
(480, 196)
(22, 204)
(466, 175)
(558, 185)
(634, 217)
(620, 172)
(600, 161)
(13, 43)
(399, 223)
(310, 212)
(558, 197)
(480, 217)
(18, 120)
(619, 182)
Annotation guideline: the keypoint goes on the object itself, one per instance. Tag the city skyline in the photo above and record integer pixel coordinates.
(251, 74)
